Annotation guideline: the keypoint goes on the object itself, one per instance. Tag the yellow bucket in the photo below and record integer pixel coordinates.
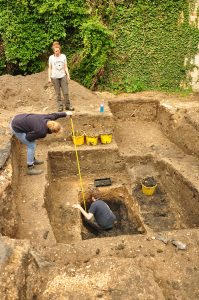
(106, 138)
(92, 140)
(78, 140)
(148, 190)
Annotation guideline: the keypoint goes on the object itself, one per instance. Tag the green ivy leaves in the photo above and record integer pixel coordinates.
(153, 39)
(119, 45)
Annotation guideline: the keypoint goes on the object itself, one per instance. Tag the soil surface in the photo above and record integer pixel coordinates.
(47, 251)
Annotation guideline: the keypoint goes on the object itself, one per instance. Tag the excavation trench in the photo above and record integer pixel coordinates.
(174, 204)
(47, 250)
(139, 148)
(68, 224)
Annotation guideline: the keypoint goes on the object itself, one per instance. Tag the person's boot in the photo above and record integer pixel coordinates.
(60, 108)
(33, 171)
(38, 162)
(69, 107)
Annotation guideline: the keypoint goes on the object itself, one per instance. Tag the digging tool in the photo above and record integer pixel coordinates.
(78, 164)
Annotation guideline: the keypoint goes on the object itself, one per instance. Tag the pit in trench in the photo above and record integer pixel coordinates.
(156, 210)
(125, 221)
(174, 205)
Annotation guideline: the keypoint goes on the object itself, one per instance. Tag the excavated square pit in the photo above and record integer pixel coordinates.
(175, 203)
(156, 209)
(67, 222)
(126, 223)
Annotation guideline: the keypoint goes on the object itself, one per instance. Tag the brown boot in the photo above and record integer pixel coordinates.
(33, 171)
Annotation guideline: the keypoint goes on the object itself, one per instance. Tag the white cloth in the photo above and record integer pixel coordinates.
(58, 65)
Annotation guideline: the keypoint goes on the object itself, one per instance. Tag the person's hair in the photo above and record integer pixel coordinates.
(54, 126)
(56, 45)
(95, 193)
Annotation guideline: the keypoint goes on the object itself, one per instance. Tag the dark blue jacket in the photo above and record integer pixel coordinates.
(34, 125)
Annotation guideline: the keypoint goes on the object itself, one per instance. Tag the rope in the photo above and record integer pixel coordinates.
(78, 164)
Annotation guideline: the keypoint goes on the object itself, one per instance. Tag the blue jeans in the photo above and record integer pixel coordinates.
(31, 146)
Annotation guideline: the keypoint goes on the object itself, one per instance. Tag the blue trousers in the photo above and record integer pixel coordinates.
(31, 146)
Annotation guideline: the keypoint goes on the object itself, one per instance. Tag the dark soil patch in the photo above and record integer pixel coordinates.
(155, 209)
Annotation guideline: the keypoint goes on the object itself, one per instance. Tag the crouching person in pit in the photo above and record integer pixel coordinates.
(99, 215)
(29, 127)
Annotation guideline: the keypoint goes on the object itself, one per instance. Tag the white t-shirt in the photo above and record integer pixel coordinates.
(58, 65)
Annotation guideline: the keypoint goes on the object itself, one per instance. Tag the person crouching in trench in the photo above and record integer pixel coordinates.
(29, 127)
(99, 215)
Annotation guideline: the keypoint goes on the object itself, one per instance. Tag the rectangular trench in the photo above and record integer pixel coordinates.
(69, 226)
(168, 209)
(64, 191)
(175, 203)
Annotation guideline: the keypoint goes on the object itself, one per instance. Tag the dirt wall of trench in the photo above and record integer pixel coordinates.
(135, 109)
(98, 123)
(182, 191)
(9, 183)
(180, 129)
(61, 163)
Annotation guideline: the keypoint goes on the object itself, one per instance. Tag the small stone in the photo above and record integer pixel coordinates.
(120, 247)
(88, 267)
(45, 235)
(99, 295)
(175, 285)
(152, 254)
(97, 251)
(179, 245)
(140, 229)
(159, 250)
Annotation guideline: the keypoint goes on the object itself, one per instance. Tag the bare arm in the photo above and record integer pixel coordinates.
(67, 72)
(88, 216)
(49, 72)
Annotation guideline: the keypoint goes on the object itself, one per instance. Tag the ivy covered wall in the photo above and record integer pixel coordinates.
(117, 45)
(153, 39)
(154, 43)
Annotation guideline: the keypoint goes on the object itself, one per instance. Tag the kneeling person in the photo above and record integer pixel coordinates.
(103, 216)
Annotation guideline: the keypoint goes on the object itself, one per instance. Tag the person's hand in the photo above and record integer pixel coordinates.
(76, 205)
(69, 113)
(49, 80)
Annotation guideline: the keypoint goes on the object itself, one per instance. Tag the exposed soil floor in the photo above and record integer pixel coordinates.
(47, 251)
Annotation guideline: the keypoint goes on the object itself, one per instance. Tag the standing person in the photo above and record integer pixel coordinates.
(104, 218)
(29, 127)
(58, 74)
